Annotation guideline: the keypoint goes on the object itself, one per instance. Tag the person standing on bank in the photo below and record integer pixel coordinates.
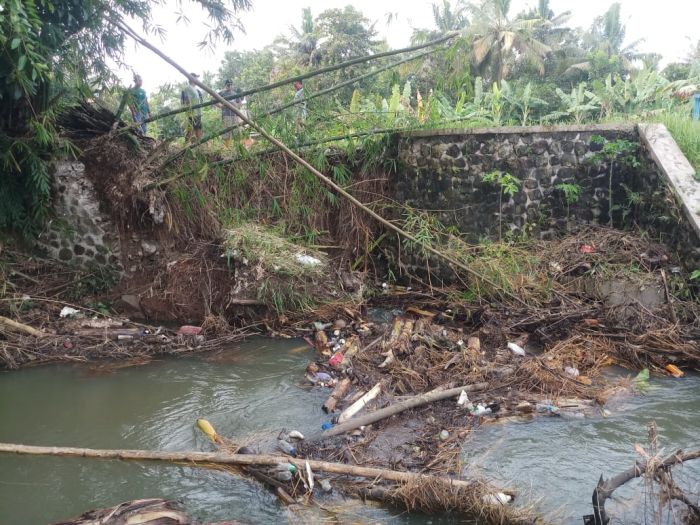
(228, 117)
(302, 112)
(190, 96)
(138, 104)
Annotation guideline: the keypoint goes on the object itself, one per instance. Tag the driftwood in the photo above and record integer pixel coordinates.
(141, 511)
(20, 327)
(604, 489)
(338, 393)
(193, 458)
(420, 400)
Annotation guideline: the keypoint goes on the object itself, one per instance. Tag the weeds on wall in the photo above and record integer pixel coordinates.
(615, 154)
(571, 193)
(507, 185)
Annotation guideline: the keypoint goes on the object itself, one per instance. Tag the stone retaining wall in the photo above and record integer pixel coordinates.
(79, 234)
(442, 171)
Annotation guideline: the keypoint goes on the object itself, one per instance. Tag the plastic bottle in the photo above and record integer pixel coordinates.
(286, 447)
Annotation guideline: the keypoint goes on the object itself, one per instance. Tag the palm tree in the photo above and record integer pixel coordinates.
(607, 36)
(499, 40)
(304, 41)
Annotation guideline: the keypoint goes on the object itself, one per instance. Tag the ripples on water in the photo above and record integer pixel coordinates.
(251, 392)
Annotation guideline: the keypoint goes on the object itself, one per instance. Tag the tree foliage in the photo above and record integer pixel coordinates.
(52, 50)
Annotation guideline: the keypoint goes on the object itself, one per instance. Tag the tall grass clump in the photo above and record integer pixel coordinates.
(686, 133)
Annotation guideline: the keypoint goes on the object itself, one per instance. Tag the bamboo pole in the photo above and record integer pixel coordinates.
(451, 260)
(284, 107)
(200, 459)
(378, 415)
(310, 143)
(304, 76)
(20, 327)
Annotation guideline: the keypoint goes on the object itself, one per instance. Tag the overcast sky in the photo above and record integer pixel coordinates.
(667, 28)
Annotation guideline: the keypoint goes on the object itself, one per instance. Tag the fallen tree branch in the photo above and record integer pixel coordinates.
(196, 458)
(20, 327)
(423, 399)
(604, 489)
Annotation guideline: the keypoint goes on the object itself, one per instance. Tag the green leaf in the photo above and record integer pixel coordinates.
(15, 43)
(21, 62)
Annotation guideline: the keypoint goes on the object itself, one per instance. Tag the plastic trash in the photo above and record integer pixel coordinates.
(480, 410)
(516, 349)
(499, 498)
(463, 399)
(189, 330)
(547, 406)
(286, 447)
(336, 359)
(444, 434)
(307, 260)
(283, 475)
(295, 434)
(641, 382)
(286, 467)
(674, 371)
(320, 377)
(67, 311)
(325, 485)
(572, 372)
(586, 248)
(327, 425)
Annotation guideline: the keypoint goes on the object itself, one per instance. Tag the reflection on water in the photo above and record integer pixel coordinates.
(249, 393)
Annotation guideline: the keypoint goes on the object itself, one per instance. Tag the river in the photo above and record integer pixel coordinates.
(250, 392)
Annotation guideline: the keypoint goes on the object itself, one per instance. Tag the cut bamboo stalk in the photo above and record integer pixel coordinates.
(21, 327)
(338, 393)
(202, 458)
(360, 403)
(423, 399)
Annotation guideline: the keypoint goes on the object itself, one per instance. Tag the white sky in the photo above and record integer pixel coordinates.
(668, 28)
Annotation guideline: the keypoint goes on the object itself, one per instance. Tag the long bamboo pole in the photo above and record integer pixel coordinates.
(264, 133)
(284, 107)
(310, 74)
(202, 458)
(420, 400)
(309, 143)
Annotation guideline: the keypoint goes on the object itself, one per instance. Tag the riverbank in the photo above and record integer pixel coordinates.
(588, 300)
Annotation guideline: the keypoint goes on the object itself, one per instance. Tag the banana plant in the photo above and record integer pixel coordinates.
(523, 102)
(577, 105)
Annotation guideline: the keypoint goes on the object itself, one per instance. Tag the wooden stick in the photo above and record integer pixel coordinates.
(338, 392)
(195, 458)
(423, 399)
(326, 180)
(360, 403)
(20, 327)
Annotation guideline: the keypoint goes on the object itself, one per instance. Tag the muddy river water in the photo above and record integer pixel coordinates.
(250, 392)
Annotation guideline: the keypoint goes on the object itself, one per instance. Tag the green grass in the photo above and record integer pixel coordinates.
(275, 254)
(686, 133)
(283, 282)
